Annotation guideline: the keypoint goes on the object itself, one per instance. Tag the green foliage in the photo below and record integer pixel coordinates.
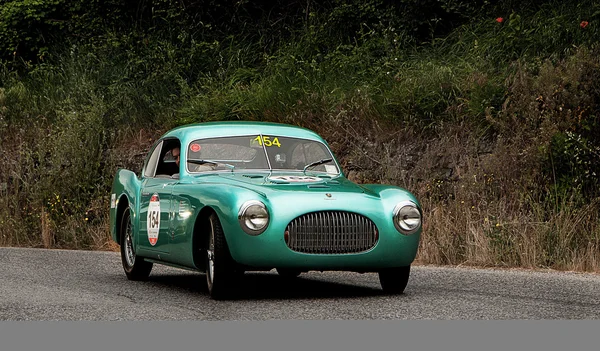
(29, 29)
(575, 162)
(557, 105)
(552, 29)
(24, 25)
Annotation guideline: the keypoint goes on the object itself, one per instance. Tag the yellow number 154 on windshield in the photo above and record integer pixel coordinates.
(266, 140)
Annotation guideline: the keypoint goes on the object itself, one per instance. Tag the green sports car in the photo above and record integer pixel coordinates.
(255, 196)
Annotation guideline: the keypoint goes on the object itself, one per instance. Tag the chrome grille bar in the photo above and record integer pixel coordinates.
(331, 232)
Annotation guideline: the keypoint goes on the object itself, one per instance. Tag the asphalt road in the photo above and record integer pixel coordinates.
(40, 284)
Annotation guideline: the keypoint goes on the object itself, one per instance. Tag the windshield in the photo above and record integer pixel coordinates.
(259, 152)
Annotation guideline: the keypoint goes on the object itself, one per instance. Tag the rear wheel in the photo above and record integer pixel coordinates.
(135, 267)
(394, 280)
(222, 277)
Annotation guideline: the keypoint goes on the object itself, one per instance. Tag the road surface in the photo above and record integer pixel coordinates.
(38, 284)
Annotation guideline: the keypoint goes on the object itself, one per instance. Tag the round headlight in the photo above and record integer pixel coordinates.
(407, 217)
(253, 217)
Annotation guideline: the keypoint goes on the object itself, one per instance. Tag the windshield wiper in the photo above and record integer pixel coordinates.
(216, 163)
(316, 163)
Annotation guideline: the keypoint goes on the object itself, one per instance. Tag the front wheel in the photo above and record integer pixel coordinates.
(135, 267)
(394, 280)
(221, 274)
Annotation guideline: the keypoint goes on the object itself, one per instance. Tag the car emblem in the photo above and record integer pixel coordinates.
(328, 195)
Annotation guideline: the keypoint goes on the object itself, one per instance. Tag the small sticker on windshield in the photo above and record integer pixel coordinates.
(330, 169)
(195, 147)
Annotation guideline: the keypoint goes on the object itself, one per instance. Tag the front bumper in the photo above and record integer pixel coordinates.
(269, 249)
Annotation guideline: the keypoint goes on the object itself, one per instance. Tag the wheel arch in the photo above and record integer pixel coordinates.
(200, 236)
(121, 207)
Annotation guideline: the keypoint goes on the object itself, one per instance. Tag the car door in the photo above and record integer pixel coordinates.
(156, 203)
(155, 214)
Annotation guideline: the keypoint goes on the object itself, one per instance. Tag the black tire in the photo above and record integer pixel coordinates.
(222, 277)
(394, 280)
(288, 273)
(136, 268)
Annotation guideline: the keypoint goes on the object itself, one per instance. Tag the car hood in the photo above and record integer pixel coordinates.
(288, 195)
(286, 182)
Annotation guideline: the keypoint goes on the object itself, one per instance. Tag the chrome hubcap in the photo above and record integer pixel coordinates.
(210, 254)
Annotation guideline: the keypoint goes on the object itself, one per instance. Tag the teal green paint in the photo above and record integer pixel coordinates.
(225, 192)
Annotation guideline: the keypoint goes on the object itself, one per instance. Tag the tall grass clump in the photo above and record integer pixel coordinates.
(64, 128)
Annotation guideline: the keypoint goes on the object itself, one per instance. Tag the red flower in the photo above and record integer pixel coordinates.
(499, 19)
(584, 24)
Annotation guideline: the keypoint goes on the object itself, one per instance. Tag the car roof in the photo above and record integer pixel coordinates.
(189, 132)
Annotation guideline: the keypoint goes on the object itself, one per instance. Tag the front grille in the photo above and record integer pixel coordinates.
(331, 232)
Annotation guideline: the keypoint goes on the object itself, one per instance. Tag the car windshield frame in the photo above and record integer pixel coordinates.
(265, 142)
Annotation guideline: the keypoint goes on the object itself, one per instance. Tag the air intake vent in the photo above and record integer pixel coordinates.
(331, 232)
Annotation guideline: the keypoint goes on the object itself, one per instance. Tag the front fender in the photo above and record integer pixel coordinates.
(391, 195)
(125, 187)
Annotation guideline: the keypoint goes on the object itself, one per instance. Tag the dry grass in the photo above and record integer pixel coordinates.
(481, 201)
(47, 232)
(30, 217)
(567, 240)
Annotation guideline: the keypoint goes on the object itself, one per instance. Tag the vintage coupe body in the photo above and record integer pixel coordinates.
(256, 196)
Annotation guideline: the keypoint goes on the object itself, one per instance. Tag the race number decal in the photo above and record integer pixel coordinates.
(296, 179)
(266, 140)
(153, 219)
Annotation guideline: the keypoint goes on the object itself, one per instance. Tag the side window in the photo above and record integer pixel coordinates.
(169, 157)
(168, 163)
(150, 169)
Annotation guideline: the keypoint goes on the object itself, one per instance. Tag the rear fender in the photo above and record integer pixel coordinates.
(125, 192)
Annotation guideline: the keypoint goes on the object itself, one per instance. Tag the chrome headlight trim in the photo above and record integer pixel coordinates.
(407, 217)
(253, 217)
